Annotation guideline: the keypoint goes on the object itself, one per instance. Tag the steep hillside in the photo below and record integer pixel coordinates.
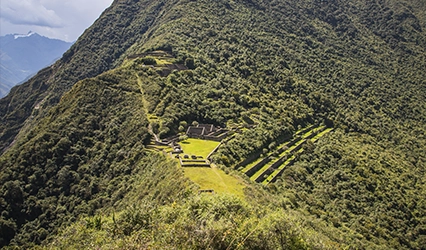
(80, 128)
(96, 51)
(24, 55)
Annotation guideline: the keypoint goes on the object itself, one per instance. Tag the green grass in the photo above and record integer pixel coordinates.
(278, 170)
(251, 165)
(309, 131)
(315, 130)
(162, 62)
(215, 179)
(198, 147)
(209, 178)
(319, 135)
(308, 128)
(260, 172)
(287, 162)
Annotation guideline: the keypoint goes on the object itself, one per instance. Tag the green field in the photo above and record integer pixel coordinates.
(215, 179)
(209, 178)
(198, 147)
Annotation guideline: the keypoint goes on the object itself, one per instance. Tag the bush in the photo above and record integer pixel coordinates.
(190, 63)
(149, 61)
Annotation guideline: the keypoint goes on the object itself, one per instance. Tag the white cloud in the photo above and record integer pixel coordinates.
(63, 19)
(29, 12)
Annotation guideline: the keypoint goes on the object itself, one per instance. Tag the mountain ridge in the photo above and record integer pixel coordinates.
(281, 65)
(52, 92)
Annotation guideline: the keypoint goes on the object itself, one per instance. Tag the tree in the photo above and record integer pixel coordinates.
(181, 128)
(183, 123)
(155, 127)
(183, 138)
(190, 63)
(149, 61)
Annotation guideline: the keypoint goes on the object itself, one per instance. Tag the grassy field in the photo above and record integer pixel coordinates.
(215, 179)
(198, 147)
(209, 178)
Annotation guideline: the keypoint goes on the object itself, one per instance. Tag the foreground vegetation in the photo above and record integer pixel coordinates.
(202, 222)
(75, 170)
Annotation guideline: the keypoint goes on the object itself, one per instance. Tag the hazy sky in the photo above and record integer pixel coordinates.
(62, 19)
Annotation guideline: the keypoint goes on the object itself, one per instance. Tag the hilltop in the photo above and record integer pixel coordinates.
(325, 101)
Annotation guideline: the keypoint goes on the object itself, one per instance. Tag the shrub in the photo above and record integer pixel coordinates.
(149, 61)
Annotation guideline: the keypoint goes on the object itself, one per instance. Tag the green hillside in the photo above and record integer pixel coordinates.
(325, 100)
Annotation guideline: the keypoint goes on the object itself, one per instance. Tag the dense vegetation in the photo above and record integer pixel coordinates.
(96, 51)
(77, 158)
(355, 65)
(352, 181)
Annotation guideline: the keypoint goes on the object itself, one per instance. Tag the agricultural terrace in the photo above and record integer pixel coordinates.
(267, 169)
(209, 178)
(215, 179)
(198, 147)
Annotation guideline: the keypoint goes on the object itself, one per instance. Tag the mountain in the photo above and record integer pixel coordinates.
(23, 55)
(329, 95)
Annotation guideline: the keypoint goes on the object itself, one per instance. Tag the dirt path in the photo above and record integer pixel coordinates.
(145, 107)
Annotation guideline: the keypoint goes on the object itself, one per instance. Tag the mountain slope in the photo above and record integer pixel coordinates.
(24, 55)
(96, 51)
(281, 65)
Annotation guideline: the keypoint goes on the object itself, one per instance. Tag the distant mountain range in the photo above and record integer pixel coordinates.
(21, 56)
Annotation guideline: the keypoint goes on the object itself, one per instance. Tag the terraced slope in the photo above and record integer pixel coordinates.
(358, 64)
(267, 169)
(251, 168)
(278, 171)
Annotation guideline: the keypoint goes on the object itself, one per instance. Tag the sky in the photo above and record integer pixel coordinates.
(61, 19)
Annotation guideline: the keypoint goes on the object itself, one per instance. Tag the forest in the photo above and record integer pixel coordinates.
(76, 170)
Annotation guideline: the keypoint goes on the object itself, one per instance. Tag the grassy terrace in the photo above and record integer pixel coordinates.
(248, 167)
(289, 161)
(277, 171)
(306, 132)
(198, 147)
(273, 166)
(319, 135)
(209, 178)
(215, 179)
(313, 132)
(265, 168)
(251, 165)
